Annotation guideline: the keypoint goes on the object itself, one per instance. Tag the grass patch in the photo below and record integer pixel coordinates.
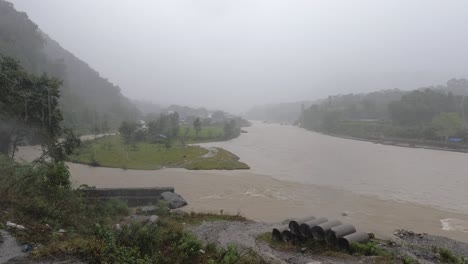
(211, 133)
(409, 260)
(323, 249)
(194, 218)
(110, 151)
(448, 256)
(222, 159)
(367, 249)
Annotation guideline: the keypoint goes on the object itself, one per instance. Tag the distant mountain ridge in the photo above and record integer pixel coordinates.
(280, 112)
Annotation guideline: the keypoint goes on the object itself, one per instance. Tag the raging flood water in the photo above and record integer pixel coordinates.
(431, 177)
(296, 173)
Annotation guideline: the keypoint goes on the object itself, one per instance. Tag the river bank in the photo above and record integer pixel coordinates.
(406, 143)
(296, 172)
(262, 198)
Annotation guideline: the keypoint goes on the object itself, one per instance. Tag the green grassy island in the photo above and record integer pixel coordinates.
(112, 151)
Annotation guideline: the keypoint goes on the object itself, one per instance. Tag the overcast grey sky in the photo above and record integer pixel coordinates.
(233, 54)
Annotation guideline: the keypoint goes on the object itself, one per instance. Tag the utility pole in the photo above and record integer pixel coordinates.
(50, 112)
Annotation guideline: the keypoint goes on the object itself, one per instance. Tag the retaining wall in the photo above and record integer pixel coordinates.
(132, 196)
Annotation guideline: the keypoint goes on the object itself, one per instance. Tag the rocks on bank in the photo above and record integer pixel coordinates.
(173, 200)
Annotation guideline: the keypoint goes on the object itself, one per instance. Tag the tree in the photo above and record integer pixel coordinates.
(174, 124)
(447, 124)
(231, 129)
(126, 130)
(29, 108)
(182, 138)
(197, 125)
(167, 143)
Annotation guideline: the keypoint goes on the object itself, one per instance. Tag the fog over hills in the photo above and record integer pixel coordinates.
(88, 100)
(236, 54)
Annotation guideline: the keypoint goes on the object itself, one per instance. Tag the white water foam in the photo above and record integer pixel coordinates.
(451, 224)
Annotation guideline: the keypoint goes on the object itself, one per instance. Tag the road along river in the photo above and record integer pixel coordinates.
(296, 172)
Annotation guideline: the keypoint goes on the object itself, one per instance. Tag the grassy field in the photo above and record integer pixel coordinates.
(209, 133)
(110, 151)
(222, 159)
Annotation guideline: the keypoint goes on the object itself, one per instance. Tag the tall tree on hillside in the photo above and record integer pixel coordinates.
(197, 125)
(29, 111)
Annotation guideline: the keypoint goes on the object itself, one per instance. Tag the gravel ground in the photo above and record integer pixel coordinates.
(420, 247)
(424, 247)
(9, 248)
(244, 233)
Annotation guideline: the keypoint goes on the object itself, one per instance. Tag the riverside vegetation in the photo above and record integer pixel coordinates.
(160, 143)
(429, 115)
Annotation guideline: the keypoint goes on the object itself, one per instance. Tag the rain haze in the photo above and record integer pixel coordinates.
(232, 55)
(234, 131)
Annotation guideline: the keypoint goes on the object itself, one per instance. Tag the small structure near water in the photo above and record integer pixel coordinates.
(132, 196)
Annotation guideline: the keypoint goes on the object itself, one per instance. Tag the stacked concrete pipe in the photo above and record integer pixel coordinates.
(332, 235)
(287, 236)
(276, 234)
(346, 241)
(305, 228)
(295, 223)
(320, 229)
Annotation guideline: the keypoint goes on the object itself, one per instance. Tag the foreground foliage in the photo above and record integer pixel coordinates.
(42, 199)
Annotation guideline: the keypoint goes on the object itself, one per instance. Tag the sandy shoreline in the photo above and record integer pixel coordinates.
(263, 198)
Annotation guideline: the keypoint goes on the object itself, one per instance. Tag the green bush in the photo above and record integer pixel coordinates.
(42, 194)
(448, 257)
(409, 260)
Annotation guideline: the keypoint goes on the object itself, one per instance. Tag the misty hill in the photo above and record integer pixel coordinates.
(280, 112)
(429, 113)
(375, 105)
(89, 101)
(151, 109)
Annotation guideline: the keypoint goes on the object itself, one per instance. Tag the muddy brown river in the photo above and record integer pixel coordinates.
(295, 172)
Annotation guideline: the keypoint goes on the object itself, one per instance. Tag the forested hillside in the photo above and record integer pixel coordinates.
(89, 102)
(432, 113)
